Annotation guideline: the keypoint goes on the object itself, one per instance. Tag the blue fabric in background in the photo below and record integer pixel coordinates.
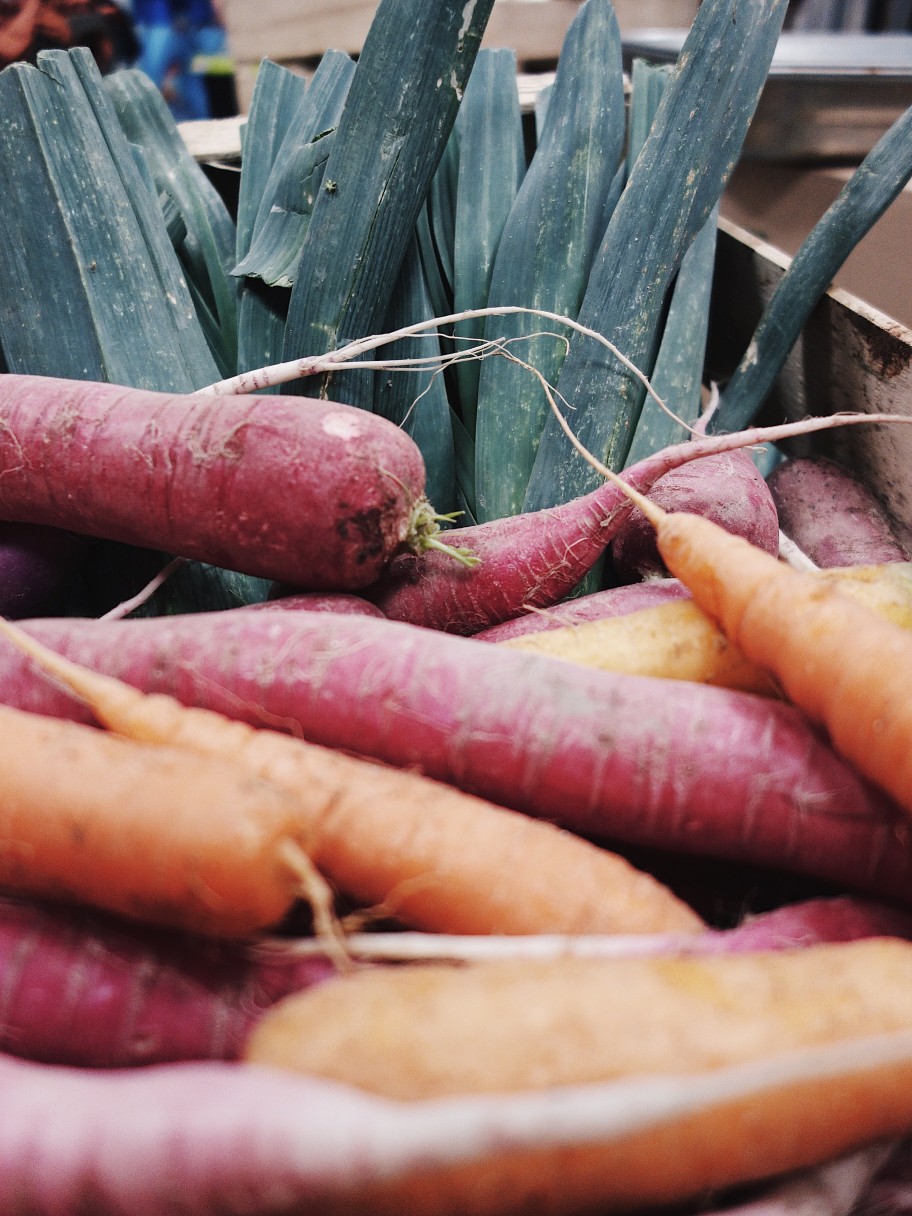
(172, 33)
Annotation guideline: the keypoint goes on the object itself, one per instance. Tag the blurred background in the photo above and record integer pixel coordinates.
(181, 45)
(204, 54)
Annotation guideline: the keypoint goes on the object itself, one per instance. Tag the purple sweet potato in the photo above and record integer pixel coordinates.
(831, 515)
(614, 601)
(684, 767)
(308, 492)
(81, 988)
(728, 489)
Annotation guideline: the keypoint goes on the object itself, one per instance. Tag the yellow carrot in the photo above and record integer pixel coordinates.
(429, 1030)
(678, 641)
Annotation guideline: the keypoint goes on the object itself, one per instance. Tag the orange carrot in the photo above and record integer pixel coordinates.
(437, 858)
(845, 666)
(151, 832)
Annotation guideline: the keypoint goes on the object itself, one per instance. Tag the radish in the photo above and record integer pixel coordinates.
(684, 767)
(82, 988)
(536, 559)
(308, 492)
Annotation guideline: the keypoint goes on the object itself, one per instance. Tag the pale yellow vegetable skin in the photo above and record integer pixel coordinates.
(678, 641)
(424, 1031)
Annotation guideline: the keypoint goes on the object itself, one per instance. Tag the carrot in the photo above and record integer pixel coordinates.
(316, 601)
(596, 606)
(832, 515)
(677, 640)
(685, 767)
(845, 666)
(429, 1030)
(93, 991)
(149, 832)
(537, 558)
(393, 838)
(316, 494)
(728, 489)
(233, 1138)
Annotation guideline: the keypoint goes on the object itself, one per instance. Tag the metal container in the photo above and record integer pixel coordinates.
(829, 96)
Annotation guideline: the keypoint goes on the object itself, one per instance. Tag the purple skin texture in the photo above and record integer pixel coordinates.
(670, 764)
(831, 515)
(536, 559)
(84, 989)
(614, 601)
(728, 489)
(302, 491)
(35, 563)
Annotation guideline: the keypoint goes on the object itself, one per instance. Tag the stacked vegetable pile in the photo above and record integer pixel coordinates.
(384, 865)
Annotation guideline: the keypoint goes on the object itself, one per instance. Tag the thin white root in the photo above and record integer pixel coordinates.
(119, 611)
(348, 356)
(442, 947)
(329, 934)
(790, 553)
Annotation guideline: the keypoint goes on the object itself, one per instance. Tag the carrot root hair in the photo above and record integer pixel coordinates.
(317, 892)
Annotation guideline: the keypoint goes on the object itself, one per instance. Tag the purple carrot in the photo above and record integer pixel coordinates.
(315, 601)
(35, 564)
(831, 515)
(309, 492)
(814, 921)
(728, 489)
(681, 766)
(614, 601)
(217, 1138)
(81, 988)
(536, 559)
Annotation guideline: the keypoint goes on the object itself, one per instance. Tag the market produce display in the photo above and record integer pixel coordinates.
(469, 773)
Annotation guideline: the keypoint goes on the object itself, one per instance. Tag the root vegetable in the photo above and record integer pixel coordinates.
(681, 766)
(831, 515)
(312, 493)
(88, 990)
(433, 856)
(431, 1030)
(728, 489)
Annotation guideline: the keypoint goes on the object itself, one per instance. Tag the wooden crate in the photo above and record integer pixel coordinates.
(297, 32)
(850, 356)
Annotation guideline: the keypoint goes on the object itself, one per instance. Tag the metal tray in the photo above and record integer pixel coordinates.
(829, 96)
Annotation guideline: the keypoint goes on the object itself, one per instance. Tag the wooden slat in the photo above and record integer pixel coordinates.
(215, 139)
(850, 356)
(299, 31)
